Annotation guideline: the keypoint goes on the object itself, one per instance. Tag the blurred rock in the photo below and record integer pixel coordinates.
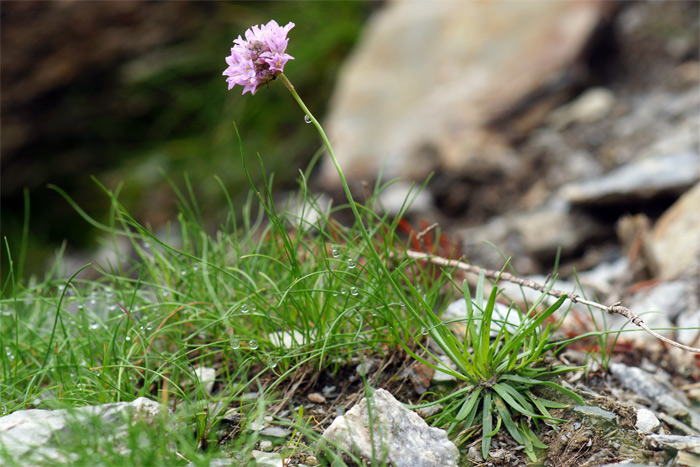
(674, 243)
(678, 443)
(38, 434)
(646, 421)
(268, 459)
(638, 181)
(397, 196)
(398, 434)
(589, 107)
(429, 83)
(206, 377)
(657, 388)
(554, 226)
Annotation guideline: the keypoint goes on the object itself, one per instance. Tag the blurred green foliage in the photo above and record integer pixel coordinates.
(168, 113)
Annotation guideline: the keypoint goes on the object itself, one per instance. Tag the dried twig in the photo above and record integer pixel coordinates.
(615, 308)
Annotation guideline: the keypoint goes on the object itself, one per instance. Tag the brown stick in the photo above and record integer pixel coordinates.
(615, 308)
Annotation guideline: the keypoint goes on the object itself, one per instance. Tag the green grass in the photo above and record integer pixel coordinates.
(170, 303)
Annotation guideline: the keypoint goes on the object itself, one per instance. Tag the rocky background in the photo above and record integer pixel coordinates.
(555, 130)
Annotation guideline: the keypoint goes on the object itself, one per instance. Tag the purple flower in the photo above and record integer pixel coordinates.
(259, 58)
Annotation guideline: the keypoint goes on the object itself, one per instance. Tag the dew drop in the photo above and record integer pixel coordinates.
(354, 292)
(93, 302)
(149, 327)
(165, 293)
(244, 308)
(272, 362)
(80, 307)
(147, 245)
(94, 326)
(253, 344)
(235, 344)
(402, 304)
(335, 294)
(307, 119)
(128, 338)
(424, 331)
(61, 288)
(351, 263)
(183, 273)
(343, 291)
(112, 307)
(195, 268)
(253, 308)
(335, 252)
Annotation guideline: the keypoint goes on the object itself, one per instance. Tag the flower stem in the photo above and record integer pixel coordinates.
(327, 143)
(365, 233)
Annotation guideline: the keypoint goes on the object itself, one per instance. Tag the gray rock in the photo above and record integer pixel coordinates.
(658, 390)
(593, 412)
(545, 230)
(637, 181)
(427, 79)
(680, 443)
(275, 432)
(646, 421)
(401, 438)
(268, 459)
(35, 433)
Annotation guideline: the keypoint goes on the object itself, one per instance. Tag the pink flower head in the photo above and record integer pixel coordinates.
(259, 58)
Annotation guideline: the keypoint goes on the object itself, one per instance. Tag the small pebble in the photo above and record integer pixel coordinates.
(266, 445)
(316, 398)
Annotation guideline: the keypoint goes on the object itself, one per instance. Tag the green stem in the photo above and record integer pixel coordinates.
(365, 233)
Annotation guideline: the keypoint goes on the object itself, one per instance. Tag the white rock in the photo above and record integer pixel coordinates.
(646, 421)
(401, 438)
(590, 106)
(206, 377)
(503, 315)
(268, 459)
(32, 433)
(397, 196)
(441, 376)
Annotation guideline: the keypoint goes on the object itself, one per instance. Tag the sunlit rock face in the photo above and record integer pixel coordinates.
(449, 84)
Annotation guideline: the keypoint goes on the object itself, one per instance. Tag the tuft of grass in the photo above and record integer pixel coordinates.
(501, 373)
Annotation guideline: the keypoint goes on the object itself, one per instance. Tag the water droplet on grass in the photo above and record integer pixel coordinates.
(128, 338)
(165, 293)
(351, 263)
(253, 344)
(335, 252)
(354, 292)
(272, 362)
(94, 326)
(244, 308)
(424, 331)
(307, 119)
(235, 344)
(402, 304)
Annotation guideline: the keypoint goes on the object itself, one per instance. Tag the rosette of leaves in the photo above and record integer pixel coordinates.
(503, 365)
